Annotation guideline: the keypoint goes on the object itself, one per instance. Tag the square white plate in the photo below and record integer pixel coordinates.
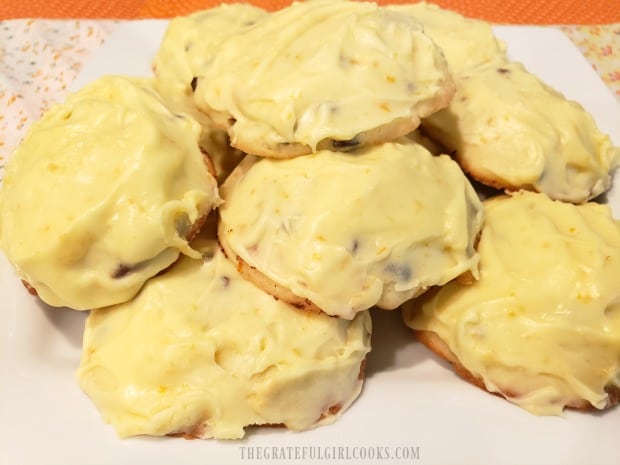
(410, 400)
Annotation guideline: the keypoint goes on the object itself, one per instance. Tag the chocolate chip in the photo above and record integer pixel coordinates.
(121, 271)
(402, 272)
(503, 70)
(194, 83)
(345, 144)
(225, 281)
(355, 247)
(183, 225)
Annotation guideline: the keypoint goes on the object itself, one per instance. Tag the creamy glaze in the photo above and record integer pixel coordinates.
(101, 194)
(188, 44)
(348, 231)
(505, 124)
(465, 42)
(202, 351)
(322, 69)
(542, 324)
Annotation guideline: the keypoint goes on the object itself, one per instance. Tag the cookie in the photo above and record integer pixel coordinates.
(466, 42)
(203, 353)
(434, 342)
(342, 232)
(541, 327)
(188, 44)
(318, 75)
(103, 193)
(509, 130)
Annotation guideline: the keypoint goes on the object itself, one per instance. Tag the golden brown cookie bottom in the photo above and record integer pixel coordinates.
(433, 342)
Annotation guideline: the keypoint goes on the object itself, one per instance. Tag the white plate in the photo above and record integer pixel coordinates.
(411, 400)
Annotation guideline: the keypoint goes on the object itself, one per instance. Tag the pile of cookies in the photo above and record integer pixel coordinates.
(231, 221)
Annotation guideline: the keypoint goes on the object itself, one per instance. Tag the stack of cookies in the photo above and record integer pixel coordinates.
(231, 221)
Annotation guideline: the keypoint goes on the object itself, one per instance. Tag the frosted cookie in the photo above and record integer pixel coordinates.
(342, 232)
(103, 193)
(465, 42)
(203, 353)
(509, 130)
(541, 326)
(188, 45)
(323, 75)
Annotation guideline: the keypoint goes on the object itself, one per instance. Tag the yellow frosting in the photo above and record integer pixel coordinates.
(373, 226)
(101, 194)
(465, 42)
(322, 69)
(542, 324)
(188, 45)
(505, 124)
(202, 351)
